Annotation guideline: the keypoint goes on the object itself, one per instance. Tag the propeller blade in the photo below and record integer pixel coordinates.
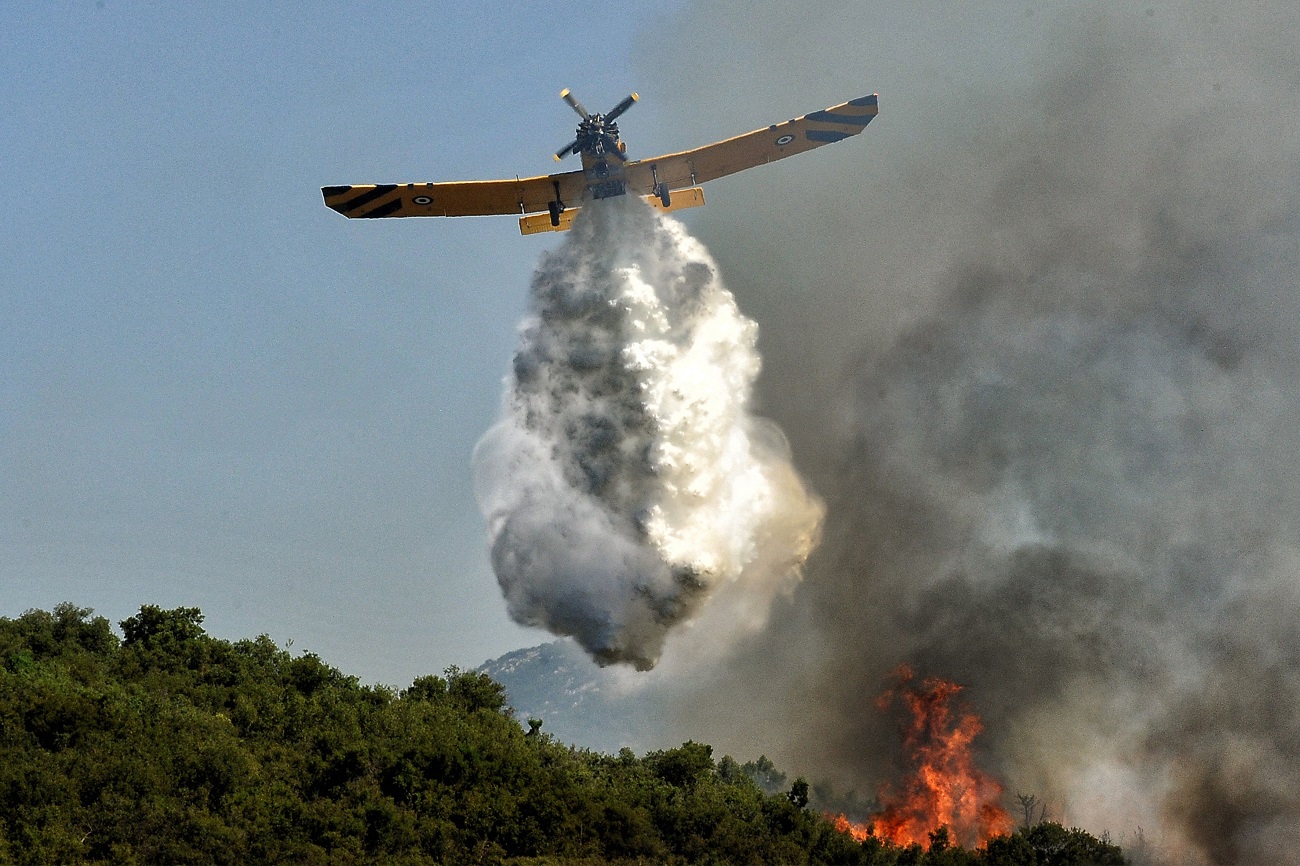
(622, 107)
(566, 150)
(574, 103)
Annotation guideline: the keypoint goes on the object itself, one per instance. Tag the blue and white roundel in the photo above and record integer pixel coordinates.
(422, 199)
(784, 140)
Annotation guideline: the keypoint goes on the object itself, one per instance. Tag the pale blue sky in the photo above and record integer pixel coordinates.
(216, 392)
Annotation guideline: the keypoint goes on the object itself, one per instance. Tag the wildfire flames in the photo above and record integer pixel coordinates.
(943, 788)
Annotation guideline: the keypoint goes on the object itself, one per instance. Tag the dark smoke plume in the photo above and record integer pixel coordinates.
(1038, 343)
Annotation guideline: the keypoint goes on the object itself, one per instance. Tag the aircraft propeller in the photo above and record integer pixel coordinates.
(595, 124)
(622, 107)
(568, 97)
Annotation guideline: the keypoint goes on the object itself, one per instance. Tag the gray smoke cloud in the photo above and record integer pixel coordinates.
(627, 480)
(1039, 347)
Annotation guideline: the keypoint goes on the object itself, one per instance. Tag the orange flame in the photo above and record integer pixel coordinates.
(943, 788)
(859, 832)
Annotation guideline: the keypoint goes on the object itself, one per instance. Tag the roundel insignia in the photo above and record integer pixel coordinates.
(422, 199)
(784, 140)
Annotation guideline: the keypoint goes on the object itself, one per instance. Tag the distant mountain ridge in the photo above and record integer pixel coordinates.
(578, 701)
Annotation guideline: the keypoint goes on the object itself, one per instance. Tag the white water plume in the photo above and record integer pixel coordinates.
(627, 481)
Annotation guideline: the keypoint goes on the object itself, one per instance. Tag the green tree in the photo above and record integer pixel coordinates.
(798, 794)
(1054, 845)
(765, 774)
(153, 626)
(683, 766)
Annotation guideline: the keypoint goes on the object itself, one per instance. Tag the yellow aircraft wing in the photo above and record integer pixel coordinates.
(458, 198)
(691, 167)
(647, 177)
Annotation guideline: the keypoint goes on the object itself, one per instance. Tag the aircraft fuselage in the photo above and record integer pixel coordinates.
(605, 175)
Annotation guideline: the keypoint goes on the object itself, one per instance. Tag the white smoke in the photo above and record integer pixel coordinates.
(626, 481)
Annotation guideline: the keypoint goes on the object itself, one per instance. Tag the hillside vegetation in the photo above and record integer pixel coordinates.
(170, 746)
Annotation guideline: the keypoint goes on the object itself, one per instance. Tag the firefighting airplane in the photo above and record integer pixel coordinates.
(548, 202)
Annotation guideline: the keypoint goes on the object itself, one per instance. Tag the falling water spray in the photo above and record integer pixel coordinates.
(627, 481)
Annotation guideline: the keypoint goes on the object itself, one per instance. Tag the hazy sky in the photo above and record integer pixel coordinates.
(216, 392)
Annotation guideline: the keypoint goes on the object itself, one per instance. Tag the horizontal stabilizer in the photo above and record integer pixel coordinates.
(536, 223)
(679, 199)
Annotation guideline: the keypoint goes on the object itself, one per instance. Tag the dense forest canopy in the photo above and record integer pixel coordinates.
(170, 746)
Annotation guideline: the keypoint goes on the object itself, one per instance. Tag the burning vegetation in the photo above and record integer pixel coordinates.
(945, 810)
(942, 788)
